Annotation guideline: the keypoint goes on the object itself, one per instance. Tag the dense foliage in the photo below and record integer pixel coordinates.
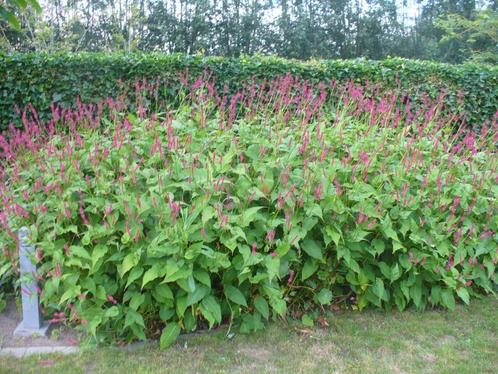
(302, 29)
(270, 202)
(7, 11)
(39, 79)
(469, 34)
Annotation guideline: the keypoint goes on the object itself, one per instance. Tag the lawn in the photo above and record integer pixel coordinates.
(462, 341)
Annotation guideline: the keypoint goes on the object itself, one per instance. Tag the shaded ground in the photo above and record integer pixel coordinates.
(10, 318)
(463, 341)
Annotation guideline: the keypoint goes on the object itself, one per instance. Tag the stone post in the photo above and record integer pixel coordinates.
(32, 321)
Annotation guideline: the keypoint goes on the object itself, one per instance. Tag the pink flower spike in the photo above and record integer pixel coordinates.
(364, 158)
(270, 236)
(291, 278)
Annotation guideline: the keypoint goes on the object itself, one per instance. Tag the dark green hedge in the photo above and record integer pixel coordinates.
(41, 78)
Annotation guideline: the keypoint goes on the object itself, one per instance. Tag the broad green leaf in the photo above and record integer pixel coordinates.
(129, 261)
(324, 297)
(211, 310)
(234, 294)
(333, 234)
(416, 295)
(309, 268)
(133, 317)
(261, 306)
(448, 299)
(197, 295)
(379, 290)
(463, 294)
(135, 273)
(98, 252)
(151, 274)
(162, 292)
(249, 214)
(79, 251)
(203, 277)
(169, 335)
(312, 248)
(136, 301)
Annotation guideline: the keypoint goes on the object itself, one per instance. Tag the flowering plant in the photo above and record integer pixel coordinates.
(243, 208)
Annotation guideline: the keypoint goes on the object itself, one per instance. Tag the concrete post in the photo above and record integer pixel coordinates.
(32, 322)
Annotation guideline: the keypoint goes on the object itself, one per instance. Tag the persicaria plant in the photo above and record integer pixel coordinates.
(150, 220)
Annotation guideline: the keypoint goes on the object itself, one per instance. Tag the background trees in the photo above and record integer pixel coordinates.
(447, 30)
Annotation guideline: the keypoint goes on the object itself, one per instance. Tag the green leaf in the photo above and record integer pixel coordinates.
(273, 266)
(262, 307)
(162, 292)
(436, 295)
(307, 320)
(379, 290)
(276, 300)
(129, 261)
(324, 297)
(136, 301)
(151, 274)
(248, 215)
(112, 312)
(416, 295)
(69, 294)
(312, 249)
(36, 6)
(309, 268)
(133, 317)
(235, 295)
(283, 248)
(11, 18)
(98, 252)
(379, 246)
(197, 295)
(188, 284)
(333, 234)
(181, 305)
(22, 4)
(389, 232)
(314, 210)
(125, 238)
(134, 275)
(203, 277)
(211, 310)
(169, 335)
(79, 251)
(463, 294)
(397, 246)
(448, 299)
(395, 273)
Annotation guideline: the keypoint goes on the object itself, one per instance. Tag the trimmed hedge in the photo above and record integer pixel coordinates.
(40, 79)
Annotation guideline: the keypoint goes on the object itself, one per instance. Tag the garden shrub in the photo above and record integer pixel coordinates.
(247, 208)
(39, 79)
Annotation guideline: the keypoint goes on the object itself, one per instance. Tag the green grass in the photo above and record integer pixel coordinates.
(462, 341)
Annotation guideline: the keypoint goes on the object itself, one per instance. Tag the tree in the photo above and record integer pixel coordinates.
(477, 38)
(8, 11)
(423, 29)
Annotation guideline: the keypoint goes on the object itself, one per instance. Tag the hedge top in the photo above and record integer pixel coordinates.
(40, 78)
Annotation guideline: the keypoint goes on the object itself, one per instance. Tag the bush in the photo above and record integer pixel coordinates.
(38, 79)
(243, 209)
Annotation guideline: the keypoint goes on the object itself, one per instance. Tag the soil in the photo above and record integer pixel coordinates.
(57, 335)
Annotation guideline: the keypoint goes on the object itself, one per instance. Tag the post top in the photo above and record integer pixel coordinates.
(23, 232)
